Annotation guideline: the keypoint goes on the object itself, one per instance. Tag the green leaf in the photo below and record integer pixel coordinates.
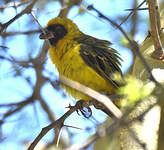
(134, 90)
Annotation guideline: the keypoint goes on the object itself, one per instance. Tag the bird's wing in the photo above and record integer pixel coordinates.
(103, 59)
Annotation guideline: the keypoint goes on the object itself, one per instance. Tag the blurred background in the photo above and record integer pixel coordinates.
(30, 94)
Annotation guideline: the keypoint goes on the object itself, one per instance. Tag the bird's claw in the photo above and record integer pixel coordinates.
(81, 105)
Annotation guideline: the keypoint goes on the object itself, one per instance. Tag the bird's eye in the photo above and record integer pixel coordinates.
(58, 29)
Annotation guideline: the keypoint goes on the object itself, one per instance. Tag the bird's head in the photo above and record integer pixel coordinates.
(59, 28)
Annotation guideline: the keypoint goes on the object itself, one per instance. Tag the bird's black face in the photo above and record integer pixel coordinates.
(54, 33)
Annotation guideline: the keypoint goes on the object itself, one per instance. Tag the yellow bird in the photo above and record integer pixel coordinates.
(82, 58)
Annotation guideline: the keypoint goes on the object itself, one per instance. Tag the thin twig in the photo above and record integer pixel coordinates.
(33, 15)
(59, 136)
(5, 34)
(136, 9)
(132, 12)
(19, 106)
(42, 29)
(56, 124)
(25, 11)
(14, 5)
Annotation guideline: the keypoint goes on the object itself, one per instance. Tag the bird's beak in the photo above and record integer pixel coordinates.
(48, 35)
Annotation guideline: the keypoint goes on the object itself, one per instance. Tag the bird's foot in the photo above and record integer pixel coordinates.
(83, 107)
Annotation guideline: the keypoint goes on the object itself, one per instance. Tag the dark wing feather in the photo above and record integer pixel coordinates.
(103, 59)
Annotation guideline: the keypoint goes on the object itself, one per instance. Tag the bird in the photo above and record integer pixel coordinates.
(82, 58)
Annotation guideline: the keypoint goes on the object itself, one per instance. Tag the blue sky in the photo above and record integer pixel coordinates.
(13, 89)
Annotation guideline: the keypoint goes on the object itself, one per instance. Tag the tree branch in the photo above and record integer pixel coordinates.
(56, 124)
(155, 25)
(25, 11)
